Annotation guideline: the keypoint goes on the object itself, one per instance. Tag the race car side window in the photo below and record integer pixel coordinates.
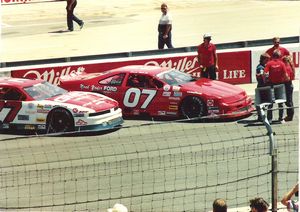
(11, 94)
(157, 83)
(113, 80)
(143, 81)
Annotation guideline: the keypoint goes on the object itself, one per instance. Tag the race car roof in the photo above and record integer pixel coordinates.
(18, 82)
(140, 69)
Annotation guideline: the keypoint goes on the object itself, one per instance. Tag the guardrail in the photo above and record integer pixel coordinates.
(231, 45)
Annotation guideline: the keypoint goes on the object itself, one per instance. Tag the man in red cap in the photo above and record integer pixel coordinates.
(207, 58)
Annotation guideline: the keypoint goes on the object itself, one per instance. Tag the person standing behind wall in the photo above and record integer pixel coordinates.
(289, 87)
(276, 46)
(207, 58)
(260, 77)
(276, 73)
(165, 28)
(71, 4)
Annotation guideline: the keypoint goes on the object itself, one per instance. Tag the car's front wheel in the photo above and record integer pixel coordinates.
(60, 120)
(193, 107)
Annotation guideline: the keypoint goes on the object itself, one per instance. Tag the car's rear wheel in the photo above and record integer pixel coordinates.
(193, 107)
(60, 120)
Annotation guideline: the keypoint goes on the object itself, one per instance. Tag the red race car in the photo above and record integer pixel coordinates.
(158, 91)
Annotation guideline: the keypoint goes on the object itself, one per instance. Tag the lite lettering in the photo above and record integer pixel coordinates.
(234, 74)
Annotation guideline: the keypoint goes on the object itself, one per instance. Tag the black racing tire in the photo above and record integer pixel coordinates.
(193, 107)
(59, 120)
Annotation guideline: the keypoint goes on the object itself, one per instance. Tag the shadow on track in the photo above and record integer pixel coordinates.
(26, 133)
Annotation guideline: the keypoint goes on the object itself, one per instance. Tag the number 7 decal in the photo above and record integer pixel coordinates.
(9, 111)
(137, 95)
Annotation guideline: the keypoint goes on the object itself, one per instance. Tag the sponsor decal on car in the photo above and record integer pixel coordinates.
(194, 92)
(78, 115)
(40, 106)
(23, 117)
(5, 126)
(110, 88)
(213, 110)
(42, 111)
(174, 98)
(30, 111)
(172, 113)
(29, 127)
(75, 110)
(30, 106)
(173, 107)
(166, 94)
(161, 113)
(96, 88)
(84, 87)
(177, 94)
(113, 121)
(210, 102)
(176, 88)
(80, 122)
(136, 112)
(41, 127)
(167, 87)
(40, 120)
(47, 106)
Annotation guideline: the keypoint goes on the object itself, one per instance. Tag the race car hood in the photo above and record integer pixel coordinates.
(216, 88)
(94, 101)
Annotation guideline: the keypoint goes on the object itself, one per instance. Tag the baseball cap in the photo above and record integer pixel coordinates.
(207, 35)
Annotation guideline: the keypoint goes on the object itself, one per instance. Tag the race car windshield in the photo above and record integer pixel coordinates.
(43, 91)
(175, 77)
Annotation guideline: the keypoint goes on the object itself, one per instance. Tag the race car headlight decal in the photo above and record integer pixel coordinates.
(99, 113)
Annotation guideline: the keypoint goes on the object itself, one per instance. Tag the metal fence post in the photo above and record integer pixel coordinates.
(274, 180)
(273, 154)
(264, 97)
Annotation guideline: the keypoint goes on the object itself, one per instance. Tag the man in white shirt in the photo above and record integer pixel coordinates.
(164, 28)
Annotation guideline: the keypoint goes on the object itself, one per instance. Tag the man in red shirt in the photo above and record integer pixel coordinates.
(276, 70)
(283, 51)
(207, 58)
(276, 73)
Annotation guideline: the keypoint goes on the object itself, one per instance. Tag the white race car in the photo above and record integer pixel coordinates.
(40, 106)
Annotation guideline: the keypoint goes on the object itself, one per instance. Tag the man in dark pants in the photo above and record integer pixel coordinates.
(289, 87)
(164, 28)
(71, 4)
(260, 77)
(207, 58)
